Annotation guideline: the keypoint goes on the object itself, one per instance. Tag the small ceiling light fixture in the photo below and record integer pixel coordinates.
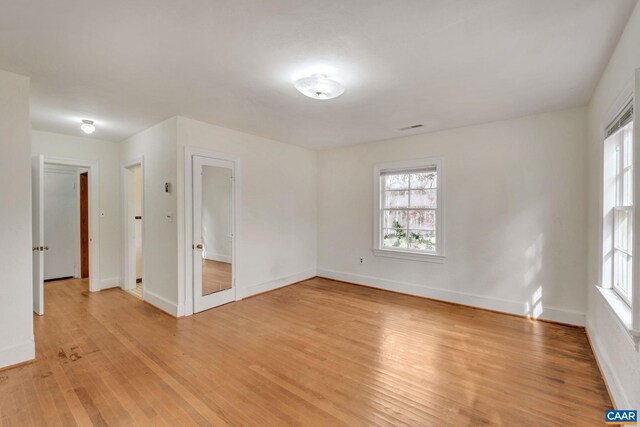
(318, 86)
(87, 126)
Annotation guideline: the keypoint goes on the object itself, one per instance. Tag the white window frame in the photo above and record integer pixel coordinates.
(437, 256)
(620, 206)
(626, 312)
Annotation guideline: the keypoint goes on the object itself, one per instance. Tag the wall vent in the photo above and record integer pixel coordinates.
(411, 127)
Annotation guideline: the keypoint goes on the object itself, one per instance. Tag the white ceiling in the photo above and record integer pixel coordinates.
(443, 63)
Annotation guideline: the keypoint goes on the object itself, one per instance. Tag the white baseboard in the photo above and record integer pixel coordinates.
(548, 313)
(113, 282)
(162, 303)
(17, 353)
(276, 283)
(217, 257)
(617, 393)
(181, 311)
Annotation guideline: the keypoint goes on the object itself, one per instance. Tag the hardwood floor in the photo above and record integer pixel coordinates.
(216, 276)
(318, 353)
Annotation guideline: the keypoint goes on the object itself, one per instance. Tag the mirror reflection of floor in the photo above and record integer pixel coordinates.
(216, 276)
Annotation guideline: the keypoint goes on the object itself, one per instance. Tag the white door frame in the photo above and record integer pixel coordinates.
(94, 213)
(189, 152)
(37, 224)
(80, 171)
(128, 230)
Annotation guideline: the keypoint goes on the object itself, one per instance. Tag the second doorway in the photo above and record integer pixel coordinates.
(133, 226)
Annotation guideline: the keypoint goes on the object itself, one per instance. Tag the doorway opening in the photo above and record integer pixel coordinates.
(84, 225)
(133, 195)
(64, 219)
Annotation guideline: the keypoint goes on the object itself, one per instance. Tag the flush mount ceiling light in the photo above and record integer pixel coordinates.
(87, 126)
(318, 86)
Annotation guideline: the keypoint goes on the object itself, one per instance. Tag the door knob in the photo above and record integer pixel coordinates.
(34, 248)
(199, 246)
(46, 248)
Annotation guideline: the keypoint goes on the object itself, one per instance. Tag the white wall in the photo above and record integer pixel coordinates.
(107, 154)
(514, 208)
(616, 354)
(276, 230)
(158, 146)
(216, 214)
(16, 302)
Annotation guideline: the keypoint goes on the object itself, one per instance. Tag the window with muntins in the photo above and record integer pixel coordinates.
(623, 212)
(408, 213)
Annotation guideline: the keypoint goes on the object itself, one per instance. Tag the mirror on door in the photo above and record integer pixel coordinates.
(217, 237)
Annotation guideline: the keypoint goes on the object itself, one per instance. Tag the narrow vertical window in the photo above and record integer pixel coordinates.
(619, 143)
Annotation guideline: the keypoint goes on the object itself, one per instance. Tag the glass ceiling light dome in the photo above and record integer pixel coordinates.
(87, 126)
(318, 86)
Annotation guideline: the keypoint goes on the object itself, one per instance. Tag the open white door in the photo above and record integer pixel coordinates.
(213, 232)
(37, 185)
(61, 223)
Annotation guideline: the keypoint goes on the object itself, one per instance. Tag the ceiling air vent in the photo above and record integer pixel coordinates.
(410, 127)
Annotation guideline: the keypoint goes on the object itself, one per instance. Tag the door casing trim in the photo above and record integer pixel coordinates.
(94, 212)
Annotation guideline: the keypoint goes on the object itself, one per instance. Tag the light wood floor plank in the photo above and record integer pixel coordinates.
(318, 353)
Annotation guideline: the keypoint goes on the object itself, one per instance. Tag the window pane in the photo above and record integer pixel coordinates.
(424, 180)
(618, 173)
(627, 135)
(627, 187)
(396, 199)
(409, 202)
(394, 219)
(623, 229)
(622, 273)
(422, 220)
(396, 182)
(394, 238)
(424, 240)
(423, 198)
(618, 273)
(630, 276)
(625, 167)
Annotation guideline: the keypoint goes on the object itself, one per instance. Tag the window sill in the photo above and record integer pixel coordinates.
(622, 312)
(412, 256)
